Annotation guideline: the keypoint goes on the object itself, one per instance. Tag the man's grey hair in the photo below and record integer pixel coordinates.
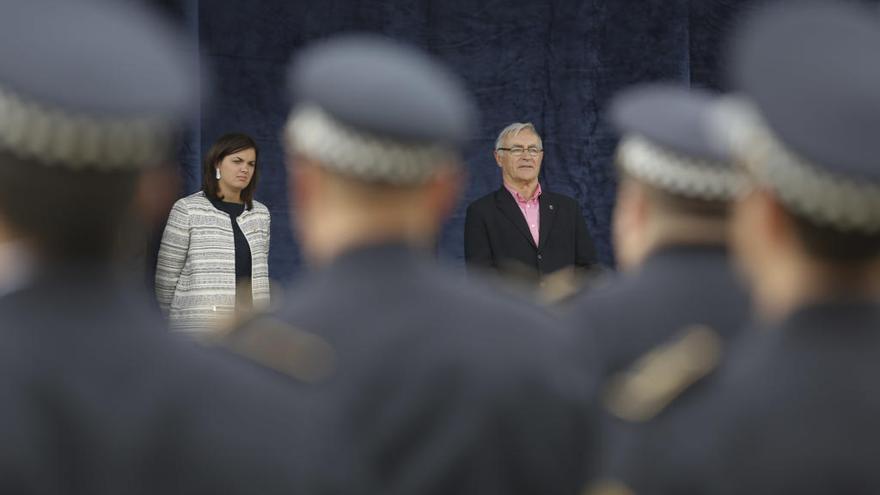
(514, 129)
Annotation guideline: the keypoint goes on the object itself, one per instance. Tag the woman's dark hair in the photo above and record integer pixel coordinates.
(226, 145)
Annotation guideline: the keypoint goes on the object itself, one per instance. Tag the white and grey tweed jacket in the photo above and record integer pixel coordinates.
(195, 271)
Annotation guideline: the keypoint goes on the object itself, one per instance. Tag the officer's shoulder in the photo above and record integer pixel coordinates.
(619, 292)
(486, 300)
(488, 292)
(524, 329)
(271, 342)
(661, 376)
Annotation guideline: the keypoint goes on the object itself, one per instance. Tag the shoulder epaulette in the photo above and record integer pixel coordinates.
(283, 347)
(657, 378)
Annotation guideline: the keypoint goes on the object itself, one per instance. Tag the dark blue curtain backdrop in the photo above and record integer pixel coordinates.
(555, 63)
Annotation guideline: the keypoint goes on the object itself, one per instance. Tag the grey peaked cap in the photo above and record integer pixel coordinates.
(810, 73)
(667, 143)
(92, 84)
(377, 109)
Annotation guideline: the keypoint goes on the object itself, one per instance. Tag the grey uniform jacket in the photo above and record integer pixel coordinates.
(98, 397)
(677, 289)
(195, 271)
(441, 387)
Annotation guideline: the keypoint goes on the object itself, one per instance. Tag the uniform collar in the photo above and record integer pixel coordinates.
(376, 253)
(841, 306)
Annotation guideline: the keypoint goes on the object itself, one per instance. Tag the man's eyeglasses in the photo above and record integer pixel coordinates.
(517, 151)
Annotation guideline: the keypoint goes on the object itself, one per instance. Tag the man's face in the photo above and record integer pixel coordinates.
(519, 165)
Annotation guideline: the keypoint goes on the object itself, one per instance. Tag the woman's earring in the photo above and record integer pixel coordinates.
(218, 173)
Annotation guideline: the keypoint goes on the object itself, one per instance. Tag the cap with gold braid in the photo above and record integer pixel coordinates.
(374, 109)
(666, 142)
(816, 147)
(90, 85)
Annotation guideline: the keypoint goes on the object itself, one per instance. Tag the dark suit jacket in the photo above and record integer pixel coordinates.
(441, 387)
(496, 235)
(97, 397)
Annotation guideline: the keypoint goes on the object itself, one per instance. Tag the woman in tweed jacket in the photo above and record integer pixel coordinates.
(213, 259)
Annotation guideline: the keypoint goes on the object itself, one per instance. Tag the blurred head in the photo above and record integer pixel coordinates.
(809, 226)
(675, 186)
(776, 246)
(64, 214)
(519, 152)
(80, 135)
(647, 218)
(374, 158)
(234, 158)
(334, 211)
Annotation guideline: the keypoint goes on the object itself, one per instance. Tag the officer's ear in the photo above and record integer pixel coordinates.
(631, 212)
(770, 220)
(747, 226)
(303, 180)
(7, 233)
(444, 189)
(155, 192)
(762, 234)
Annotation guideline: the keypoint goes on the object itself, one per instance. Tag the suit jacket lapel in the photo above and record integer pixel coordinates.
(548, 213)
(508, 207)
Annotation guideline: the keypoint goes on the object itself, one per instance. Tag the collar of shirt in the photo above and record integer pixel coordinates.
(518, 197)
(529, 209)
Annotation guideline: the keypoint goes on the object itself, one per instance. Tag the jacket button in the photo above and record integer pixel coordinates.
(540, 257)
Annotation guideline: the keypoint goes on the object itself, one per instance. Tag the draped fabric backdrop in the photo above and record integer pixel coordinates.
(555, 63)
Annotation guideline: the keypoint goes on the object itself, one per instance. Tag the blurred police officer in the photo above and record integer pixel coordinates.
(96, 396)
(438, 387)
(795, 408)
(670, 233)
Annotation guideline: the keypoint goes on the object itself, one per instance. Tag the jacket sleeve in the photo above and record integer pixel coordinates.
(172, 254)
(477, 250)
(268, 245)
(268, 234)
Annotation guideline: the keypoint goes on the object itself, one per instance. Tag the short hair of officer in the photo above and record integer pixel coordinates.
(646, 216)
(62, 213)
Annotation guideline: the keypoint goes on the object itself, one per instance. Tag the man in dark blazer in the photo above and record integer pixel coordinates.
(521, 230)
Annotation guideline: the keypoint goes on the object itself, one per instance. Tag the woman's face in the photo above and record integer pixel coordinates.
(237, 170)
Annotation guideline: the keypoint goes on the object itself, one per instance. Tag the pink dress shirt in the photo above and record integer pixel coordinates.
(530, 209)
